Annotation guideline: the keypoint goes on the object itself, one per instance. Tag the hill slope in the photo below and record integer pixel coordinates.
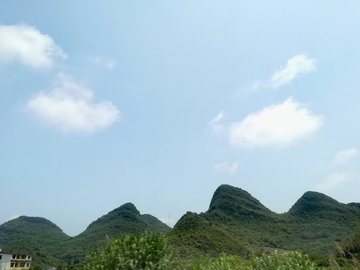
(317, 221)
(235, 223)
(125, 219)
(34, 229)
(313, 224)
(39, 255)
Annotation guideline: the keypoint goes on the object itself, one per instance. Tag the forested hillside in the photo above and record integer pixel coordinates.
(235, 223)
(50, 244)
(313, 224)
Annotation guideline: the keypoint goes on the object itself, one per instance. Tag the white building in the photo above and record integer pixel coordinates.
(14, 261)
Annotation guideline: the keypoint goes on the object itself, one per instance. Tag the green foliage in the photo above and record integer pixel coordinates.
(312, 225)
(287, 261)
(155, 225)
(40, 256)
(125, 219)
(237, 203)
(34, 229)
(350, 248)
(147, 251)
(235, 223)
(273, 261)
(194, 236)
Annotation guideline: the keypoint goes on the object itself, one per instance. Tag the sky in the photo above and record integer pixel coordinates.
(160, 102)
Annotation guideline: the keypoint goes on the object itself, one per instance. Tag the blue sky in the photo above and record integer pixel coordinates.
(158, 103)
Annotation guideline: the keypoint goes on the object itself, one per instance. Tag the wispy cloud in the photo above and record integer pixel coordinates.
(102, 62)
(275, 126)
(69, 107)
(27, 45)
(227, 168)
(295, 66)
(214, 123)
(346, 155)
(335, 180)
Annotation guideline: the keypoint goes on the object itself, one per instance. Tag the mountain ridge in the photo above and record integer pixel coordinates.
(313, 224)
(125, 219)
(235, 223)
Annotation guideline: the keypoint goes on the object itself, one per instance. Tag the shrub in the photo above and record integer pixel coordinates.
(286, 261)
(148, 251)
(276, 261)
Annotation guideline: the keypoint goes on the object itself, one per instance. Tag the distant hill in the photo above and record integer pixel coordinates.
(155, 224)
(125, 219)
(313, 224)
(193, 235)
(39, 255)
(35, 229)
(235, 223)
(317, 221)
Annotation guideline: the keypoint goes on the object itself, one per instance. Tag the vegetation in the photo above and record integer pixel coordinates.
(125, 219)
(194, 236)
(149, 251)
(314, 224)
(235, 224)
(37, 230)
(286, 261)
(39, 256)
(146, 251)
(350, 248)
(155, 225)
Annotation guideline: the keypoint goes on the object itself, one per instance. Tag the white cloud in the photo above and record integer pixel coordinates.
(275, 126)
(69, 107)
(226, 167)
(346, 155)
(214, 123)
(103, 62)
(27, 45)
(295, 66)
(335, 180)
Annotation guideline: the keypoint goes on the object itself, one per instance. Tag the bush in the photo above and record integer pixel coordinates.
(276, 261)
(148, 251)
(286, 261)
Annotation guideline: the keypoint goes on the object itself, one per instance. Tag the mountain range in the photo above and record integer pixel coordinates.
(235, 223)
(23, 233)
(313, 224)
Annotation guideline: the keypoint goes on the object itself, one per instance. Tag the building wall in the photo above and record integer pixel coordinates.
(14, 262)
(5, 261)
(19, 264)
(18, 268)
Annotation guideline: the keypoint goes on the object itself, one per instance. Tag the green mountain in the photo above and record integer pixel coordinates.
(313, 224)
(123, 220)
(39, 256)
(317, 221)
(35, 229)
(235, 223)
(193, 236)
(155, 224)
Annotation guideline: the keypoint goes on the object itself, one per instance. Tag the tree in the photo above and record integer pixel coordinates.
(148, 251)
